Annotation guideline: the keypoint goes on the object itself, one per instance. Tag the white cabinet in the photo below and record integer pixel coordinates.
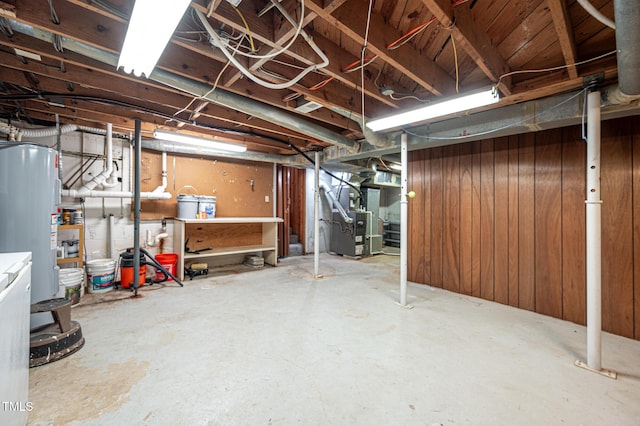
(15, 302)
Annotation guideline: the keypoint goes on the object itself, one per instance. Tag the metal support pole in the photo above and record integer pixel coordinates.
(316, 219)
(594, 240)
(594, 234)
(403, 221)
(59, 147)
(136, 206)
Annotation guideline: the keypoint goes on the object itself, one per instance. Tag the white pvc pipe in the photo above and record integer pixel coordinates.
(163, 186)
(108, 167)
(591, 10)
(404, 216)
(594, 235)
(101, 178)
(154, 241)
(85, 193)
(316, 218)
(110, 243)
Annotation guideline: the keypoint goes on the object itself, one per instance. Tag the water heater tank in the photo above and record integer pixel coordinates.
(29, 195)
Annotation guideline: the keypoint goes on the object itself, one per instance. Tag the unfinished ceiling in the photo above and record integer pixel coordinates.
(57, 58)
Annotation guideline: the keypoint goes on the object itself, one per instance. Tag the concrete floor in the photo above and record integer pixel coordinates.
(273, 347)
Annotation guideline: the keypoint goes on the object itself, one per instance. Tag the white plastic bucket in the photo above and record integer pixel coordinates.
(71, 282)
(187, 206)
(207, 207)
(100, 275)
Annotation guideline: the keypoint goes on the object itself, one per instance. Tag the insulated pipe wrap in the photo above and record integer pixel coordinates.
(627, 15)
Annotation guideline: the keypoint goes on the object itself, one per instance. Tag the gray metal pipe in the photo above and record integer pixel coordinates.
(176, 148)
(379, 141)
(136, 206)
(254, 108)
(627, 15)
(219, 96)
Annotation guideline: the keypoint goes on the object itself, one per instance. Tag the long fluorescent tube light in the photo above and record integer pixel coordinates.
(451, 106)
(193, 140)
(150, 28)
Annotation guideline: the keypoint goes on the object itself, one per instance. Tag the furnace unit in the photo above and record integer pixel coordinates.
(349, 239)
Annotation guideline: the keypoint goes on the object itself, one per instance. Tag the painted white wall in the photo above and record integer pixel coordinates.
(98, 210)
(390, 204)
(325, 213)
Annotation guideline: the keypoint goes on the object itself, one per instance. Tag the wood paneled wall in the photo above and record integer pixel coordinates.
(504, 220)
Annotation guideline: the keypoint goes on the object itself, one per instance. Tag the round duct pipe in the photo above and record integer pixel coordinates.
(627, 15)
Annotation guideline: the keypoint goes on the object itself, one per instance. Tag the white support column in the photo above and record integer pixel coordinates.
(594, 240)
(403, 221)
(316, 219)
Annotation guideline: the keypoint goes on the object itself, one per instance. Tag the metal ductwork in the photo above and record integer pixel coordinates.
(627, 16)
(378, 141)
(195, 88)
(334, 202)
(176, 148)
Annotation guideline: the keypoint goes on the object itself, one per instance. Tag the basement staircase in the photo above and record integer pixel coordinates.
(295, 246)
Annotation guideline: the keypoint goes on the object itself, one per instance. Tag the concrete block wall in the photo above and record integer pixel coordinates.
(77, 147)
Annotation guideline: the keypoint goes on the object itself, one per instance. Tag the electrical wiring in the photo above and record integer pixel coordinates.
(5, 27)
(405, 38)
(320, 85)
(246, 26)
(297, 25)
(298, 67)
(559, 67)
(178, 35)
(375, 82)
(215, 85)
(273, 74)
(54, 15)
(291, 97)
(395, 98)
(134, 107)
(359, 64)
(211, 7)
(455, 58)
(248, 73)
(109, 8)
(364, 49)
(488, 132)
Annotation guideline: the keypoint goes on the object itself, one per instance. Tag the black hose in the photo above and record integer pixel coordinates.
(153, 261)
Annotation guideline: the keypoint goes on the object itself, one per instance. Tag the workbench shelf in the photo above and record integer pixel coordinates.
(225, 237)
(79, 231)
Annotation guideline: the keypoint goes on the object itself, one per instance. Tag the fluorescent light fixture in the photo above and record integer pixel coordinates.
(193, 140)
(150, 28)
(446, 107)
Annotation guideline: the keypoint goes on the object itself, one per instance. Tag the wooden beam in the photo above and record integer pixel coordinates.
(8, 10)
(107, 34)
(410, 62)
(562, 23)
(92, 84)
(300, 51)
(475, 41)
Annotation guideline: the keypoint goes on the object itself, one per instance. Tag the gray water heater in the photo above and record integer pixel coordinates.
(29, 196)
